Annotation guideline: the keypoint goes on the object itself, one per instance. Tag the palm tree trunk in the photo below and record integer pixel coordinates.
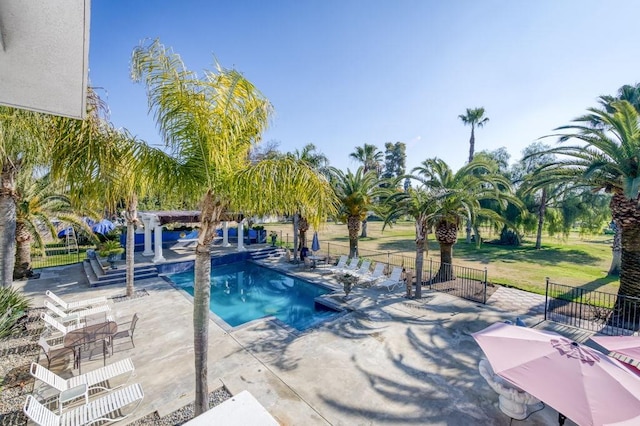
(7, 225)
(22, 267)
(353, 225)
(421, 240)
(472, 143)
(295, 237)
(541, 212)
(616, 250)
(468, 230)
(445, 273)
(209, 219)
(363, 234)
(131, 217)
(627, 217)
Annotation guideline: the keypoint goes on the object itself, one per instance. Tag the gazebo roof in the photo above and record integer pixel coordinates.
(182, 216)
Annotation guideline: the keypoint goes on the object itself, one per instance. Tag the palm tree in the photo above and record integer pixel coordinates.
(356, 194)
(473, 117)
(23, 144)
(458, 198)
(371, 159)
(209, 125)
(369, 156)
(607, 159)
(419, 203)
(38, 201)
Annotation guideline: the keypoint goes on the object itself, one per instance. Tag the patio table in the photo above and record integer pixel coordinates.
(80, 337)
(315, 259)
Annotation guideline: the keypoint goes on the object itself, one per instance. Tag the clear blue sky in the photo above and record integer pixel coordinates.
(341, 73)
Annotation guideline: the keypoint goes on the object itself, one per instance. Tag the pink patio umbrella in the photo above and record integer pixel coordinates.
(583, 384)
(628, 346)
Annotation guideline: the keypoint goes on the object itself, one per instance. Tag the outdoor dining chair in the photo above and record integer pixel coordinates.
(127, 332)
(52, 352)
(104, 409)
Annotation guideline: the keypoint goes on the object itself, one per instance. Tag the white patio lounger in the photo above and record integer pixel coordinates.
(64, 317)
(95, 411)
(68, 306)
(363, 271)
(377, 274)
(394, 279)
(91, 378)
(190, 240)
(54, 324)
(342, 262)
(352, 266)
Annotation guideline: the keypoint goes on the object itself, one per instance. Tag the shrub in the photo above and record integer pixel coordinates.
(13, 305)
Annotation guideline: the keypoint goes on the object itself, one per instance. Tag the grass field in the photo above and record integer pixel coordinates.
(576, 261)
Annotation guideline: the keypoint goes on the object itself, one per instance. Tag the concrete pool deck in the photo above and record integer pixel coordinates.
(389, 361)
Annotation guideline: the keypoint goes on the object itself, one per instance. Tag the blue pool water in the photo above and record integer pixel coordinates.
(243, 291)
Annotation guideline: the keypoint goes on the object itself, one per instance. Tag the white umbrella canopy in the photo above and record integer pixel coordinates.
(581, 383)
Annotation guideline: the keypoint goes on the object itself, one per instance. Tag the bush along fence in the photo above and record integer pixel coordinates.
(467, 283)
(604, 313)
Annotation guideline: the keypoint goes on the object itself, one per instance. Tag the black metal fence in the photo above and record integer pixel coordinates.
(58, 255)
(605, 313)
(460, 281)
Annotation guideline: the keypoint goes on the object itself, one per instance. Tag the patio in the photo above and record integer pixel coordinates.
(390, 361)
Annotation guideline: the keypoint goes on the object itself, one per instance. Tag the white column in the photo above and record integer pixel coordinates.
(225, 234)
(241, 236)
(157, 246)
(147, 236)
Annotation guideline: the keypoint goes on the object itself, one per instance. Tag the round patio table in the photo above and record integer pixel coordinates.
(77, 338)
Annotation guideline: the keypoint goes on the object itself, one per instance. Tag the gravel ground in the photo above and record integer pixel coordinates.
(19, 350)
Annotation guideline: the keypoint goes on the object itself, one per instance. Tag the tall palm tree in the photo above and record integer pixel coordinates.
(607, 159)
(458, 198)
(210, 124)
(419, 203)
(369, 156)
(371, 159)
(23, 143)
(356, 194)
(38, 201)
(473, 117)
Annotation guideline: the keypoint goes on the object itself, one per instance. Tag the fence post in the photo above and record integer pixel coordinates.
(430, 272)
(485, 286)
(388, 261)
(328, 252)
(580, 309)
(546, 298)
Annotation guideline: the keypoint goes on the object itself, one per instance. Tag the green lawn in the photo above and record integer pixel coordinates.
(576, 261)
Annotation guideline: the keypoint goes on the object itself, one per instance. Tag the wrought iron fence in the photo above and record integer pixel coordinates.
(58, 255)
(467, 283)
(605, 313)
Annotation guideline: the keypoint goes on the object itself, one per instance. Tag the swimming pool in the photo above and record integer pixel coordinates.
(244, 291)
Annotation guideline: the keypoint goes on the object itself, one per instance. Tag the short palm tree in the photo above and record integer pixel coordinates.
(38, 201)
(607, 159)
(419, 203)
(356, 194)
(473, 117)
(458, 198)
(210, 124)
(24, 142)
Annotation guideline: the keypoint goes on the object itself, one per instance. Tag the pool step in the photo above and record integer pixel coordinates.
(267, 253)
(99, 275)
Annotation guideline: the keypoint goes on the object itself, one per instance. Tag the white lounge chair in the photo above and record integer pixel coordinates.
(90, 379)
(76, 316)
(98, 410)
(69, 306)
(377, 274)
(54, 324)
(394, 279)
(363, 271)
(342, 262)
(352, 266)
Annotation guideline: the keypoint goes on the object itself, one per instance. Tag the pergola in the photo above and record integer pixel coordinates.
(154, 220)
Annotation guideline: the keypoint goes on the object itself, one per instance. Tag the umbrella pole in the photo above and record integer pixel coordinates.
(561, 418)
